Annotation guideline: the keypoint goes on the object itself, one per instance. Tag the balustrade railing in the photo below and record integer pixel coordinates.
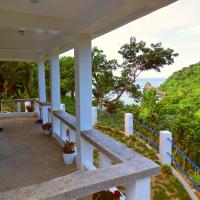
(16, 105)
(110, 151)
(119, 165)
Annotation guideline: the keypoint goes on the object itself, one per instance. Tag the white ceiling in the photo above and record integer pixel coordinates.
(51, 25)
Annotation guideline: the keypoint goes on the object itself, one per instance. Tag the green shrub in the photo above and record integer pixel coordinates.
(167, 169)
(196, 179)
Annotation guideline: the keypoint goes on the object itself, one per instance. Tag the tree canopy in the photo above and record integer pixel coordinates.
(178, 111)
(21, 78)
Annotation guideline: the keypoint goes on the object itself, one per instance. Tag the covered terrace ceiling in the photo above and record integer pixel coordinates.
(34, 29)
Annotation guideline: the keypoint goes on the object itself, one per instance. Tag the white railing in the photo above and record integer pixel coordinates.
(110, 151)
(17, 107)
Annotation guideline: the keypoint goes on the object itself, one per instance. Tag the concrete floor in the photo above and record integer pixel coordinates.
(27, 156)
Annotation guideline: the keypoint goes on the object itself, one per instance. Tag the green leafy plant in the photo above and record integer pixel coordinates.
(69, 147)
(167, 169)
(196, 179)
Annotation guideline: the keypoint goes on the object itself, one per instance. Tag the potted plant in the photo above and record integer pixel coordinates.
(69, 152)
(47, 128)
(107, 195)
(30, 108)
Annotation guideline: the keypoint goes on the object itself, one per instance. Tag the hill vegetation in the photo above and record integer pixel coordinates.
(178, 111)
(182, 104)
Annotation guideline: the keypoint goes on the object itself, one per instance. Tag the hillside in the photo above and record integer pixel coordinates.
(183, 82)
(180, 109)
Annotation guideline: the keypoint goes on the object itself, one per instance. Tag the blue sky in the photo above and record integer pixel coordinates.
(177, 26)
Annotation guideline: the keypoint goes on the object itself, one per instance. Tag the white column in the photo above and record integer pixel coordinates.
(41, 81)
(55, 82)
(139, 190)
(42, 90)
(94, 115)
(83, 80)
(165, 147)
(128, 124)
(55, 92)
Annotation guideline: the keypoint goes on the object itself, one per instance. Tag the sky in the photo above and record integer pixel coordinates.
(177, 26)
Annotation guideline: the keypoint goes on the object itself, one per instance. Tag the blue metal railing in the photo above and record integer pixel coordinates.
(109, 120)
(179, 166)
(147, 139)
(182, 153)
(184, 172)
(146, 127)
(107, 113)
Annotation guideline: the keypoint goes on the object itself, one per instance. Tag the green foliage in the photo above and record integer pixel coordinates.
(67, 76)
(18, 79)
(70, 104)
(178, 111)
(182, 105)
(138, 58)
(167, 169)
(196, 179)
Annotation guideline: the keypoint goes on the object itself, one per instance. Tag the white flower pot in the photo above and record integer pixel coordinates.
(69, 158)
(46, 132)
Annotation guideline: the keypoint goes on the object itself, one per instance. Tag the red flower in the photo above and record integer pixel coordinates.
(117, 195)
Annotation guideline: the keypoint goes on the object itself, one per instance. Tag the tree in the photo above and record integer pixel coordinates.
(67, 76)
(107, 88)
(139, 58)
(17, 79)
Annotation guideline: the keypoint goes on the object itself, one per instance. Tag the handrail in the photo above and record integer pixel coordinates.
(146, 127)
(183, 154)
(183, 171)
(146, 138)
(110, 147)
(66, 118)
(15, 100)
(81, 184)
(102, 142)
(107, 113)
(42, 103)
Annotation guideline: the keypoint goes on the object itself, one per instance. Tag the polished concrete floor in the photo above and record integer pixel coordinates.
(27, 156)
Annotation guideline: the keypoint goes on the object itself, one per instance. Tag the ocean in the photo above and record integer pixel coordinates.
(155, 82)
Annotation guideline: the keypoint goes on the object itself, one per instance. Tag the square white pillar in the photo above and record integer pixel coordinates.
(55, 82)
(94, 116)
(55, 92)
(41, 81)
(165, 147)
(83, 90)
(139, 190)
(128, 124)
(42, 90)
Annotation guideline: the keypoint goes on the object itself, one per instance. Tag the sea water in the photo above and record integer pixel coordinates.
(155, 82)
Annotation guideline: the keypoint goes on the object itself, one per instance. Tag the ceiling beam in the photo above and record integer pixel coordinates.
(16, 20)
(20, 55)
